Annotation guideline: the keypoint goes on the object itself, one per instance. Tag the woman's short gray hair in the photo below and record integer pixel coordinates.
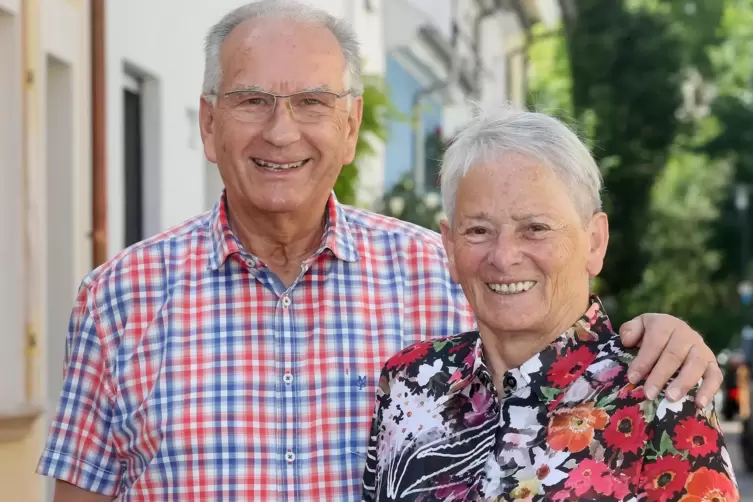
(288, 10)
(504, 129)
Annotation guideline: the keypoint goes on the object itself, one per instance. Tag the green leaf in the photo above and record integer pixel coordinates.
(440, 345)
(603, 402)
(648, 408)
(551, 393)
(666, 446)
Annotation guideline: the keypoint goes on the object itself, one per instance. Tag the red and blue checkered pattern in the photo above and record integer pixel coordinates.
(193, 373)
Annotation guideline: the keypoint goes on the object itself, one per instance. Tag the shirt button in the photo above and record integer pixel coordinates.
(510, 381)
(286, 301)
(287, 378)
(249, 263)
(290, 457)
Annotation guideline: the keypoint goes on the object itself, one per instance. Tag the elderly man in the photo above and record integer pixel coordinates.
(236, 356)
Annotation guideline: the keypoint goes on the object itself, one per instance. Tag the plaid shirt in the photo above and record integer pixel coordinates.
(193, 373)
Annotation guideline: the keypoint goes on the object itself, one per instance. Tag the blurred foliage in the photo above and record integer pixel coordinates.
(404, 202)
(661, 91)
(377, 111)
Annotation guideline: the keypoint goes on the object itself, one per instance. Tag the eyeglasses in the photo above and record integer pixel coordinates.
(305, 106)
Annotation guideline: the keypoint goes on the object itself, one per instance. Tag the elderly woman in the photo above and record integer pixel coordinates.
(536, 404)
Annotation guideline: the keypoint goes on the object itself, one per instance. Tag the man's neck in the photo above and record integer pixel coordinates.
(283, 241)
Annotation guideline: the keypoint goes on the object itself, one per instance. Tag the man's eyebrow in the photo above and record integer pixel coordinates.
(527, 216)
(483, 215)
(258, 88)
(248, 88)
(318, 88)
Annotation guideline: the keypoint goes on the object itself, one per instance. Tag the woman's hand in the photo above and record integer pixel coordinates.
(666, 345)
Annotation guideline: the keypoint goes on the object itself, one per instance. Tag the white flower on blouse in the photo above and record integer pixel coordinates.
(545, 468)
(728, 465)
(667, 405)
(522, 418)
(425, 372)
(531, 367)
(606, 370)
(578, 392)
(399, 423)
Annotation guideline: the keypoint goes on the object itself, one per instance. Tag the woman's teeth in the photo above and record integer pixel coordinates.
(511, 288)
(278, 167)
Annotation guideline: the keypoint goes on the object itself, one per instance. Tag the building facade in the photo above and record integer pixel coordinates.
(443, 58)
(45, 207)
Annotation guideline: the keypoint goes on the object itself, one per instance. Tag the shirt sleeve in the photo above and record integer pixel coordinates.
(80, 448)
(686, 455)
(371, 481)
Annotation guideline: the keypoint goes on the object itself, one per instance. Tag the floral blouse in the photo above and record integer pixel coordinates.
(569, 427)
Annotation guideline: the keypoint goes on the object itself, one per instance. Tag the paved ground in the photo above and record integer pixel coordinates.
(744, 479)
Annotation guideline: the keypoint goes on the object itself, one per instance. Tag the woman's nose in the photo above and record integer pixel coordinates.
(507, 251)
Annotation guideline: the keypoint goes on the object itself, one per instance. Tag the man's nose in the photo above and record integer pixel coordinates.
(282, 128)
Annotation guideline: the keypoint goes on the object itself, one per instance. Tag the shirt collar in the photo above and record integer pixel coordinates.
(337, 237)
(550, 372)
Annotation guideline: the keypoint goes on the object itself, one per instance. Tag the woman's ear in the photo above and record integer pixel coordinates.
(598, 237)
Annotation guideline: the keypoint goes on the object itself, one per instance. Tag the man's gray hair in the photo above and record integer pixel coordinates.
(504, 129)
(289, 10)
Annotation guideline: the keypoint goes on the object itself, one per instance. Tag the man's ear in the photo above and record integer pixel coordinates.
(598, 240)
(355, 116)
(449, 247)
(206, 127)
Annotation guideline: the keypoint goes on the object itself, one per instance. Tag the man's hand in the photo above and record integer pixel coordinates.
(667, 344)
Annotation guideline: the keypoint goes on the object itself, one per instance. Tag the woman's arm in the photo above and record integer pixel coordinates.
(685, 454)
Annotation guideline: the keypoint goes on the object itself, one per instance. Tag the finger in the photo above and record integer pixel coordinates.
(712, 381)
(670, 360)
(693, 368)
(647, 356)
(632, 331)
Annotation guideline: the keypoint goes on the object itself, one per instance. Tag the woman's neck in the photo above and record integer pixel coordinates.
(505, 350)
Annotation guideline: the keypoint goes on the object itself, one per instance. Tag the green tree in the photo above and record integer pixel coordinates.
(622, 70)
(626, 75)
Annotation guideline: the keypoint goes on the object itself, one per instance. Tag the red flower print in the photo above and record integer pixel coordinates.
(409, 355)
(664, 478)
(556, 401)
(569, 366)
(561, 495)
(573, 428)
(695, 437)
(706, 485)
(621, 486)
(589, 473)
(613, 485)
(626, 430)
(633, 392)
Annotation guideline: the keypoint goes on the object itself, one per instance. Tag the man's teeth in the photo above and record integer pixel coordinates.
(512, 288)
(272, 165)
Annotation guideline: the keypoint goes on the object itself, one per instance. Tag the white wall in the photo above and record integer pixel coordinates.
(11, 273)
(48, 170)
(170, 55)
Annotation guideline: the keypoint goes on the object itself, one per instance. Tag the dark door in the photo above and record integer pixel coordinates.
(133, 167)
